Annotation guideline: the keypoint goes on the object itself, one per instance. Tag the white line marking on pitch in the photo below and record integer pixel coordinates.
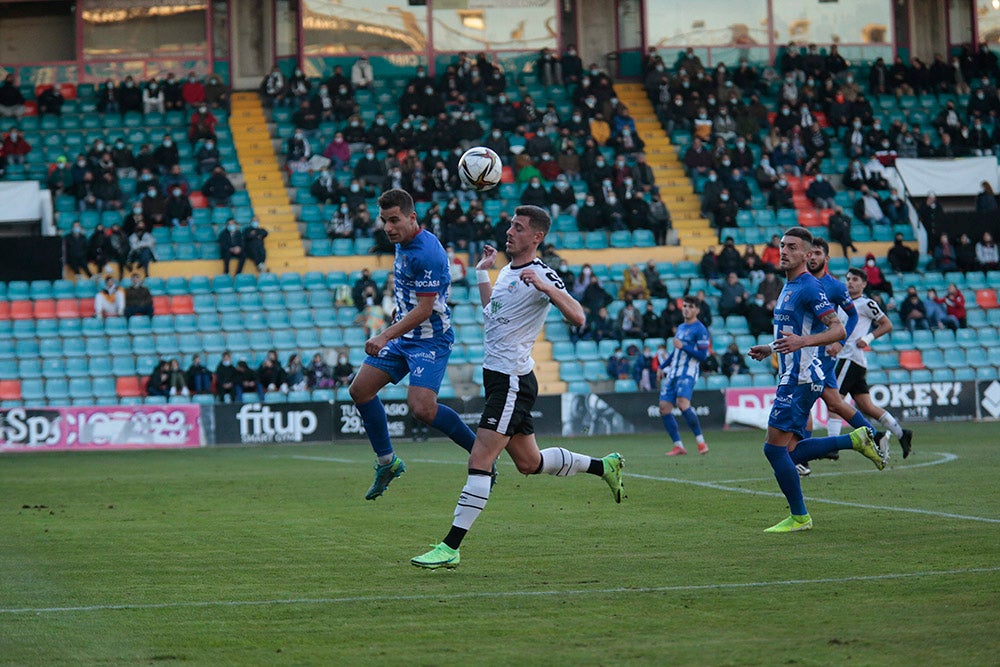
(502, 594)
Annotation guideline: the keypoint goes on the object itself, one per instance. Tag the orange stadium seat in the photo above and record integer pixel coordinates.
(86, 307)
(987, 298)
(44, 309)
(129, 386)
(161, 304)
(4, 310)
(21, 310)
(67, 308)
(10, 390)
(911, 360)
(810, 219)
(181, 304)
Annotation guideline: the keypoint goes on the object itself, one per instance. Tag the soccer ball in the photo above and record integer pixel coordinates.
(480, 168)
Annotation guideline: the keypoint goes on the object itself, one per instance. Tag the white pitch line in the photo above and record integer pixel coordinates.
(501, 594)
(720, 486)
(337, 460)
(752, 492)
(945, 458)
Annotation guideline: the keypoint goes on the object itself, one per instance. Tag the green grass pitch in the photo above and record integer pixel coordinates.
(270, 555)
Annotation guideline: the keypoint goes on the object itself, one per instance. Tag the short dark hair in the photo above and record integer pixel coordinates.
(801, 233)
(396, 197)
(692, 301)
(538, 218)
(857, 273)
(821, 243)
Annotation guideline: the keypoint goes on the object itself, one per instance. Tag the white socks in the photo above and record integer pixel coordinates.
(472, 501)
(562, 462)
(834, 426)
(890, 423)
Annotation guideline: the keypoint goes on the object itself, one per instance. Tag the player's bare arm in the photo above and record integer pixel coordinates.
(760, 352)
(560, 298)
(423, 310)
(790, 342)
(882, 327)
(485, 264)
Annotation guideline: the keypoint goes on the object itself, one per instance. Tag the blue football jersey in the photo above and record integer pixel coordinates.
(421, 267)
(801, 305)
(685, 362)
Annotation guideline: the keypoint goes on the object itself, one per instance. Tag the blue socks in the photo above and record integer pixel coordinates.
(858, 420)
(787, 476)
(670, 424)
(692, 420)
(448, 422)
(376, 426)
(814, 448)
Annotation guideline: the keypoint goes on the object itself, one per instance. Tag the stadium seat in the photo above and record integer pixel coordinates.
(987, 299)
(10, 390)
(565, 351)
(911, 360)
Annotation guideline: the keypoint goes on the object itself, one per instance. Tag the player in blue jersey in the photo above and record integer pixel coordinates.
(679, 375)
(418, 342)
(801, 306)
(836, 291)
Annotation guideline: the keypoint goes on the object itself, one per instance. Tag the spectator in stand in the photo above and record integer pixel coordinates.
(986, 200)
(271, 375)
(159, 380)
(153, 98)
(931, 214)
(129, 97)
(733, 362)
(592, 216)
(698, 159)
(820, 192)
(780, 196)
(739, 190)
(75, 249)
(987, 253)
(937, 316)
(770, 287)
(174, 178)
(618, 366)
(733, 296)
(318, 374)
(172, 93)
(295, 373)
(760, 315)
(11, 100)
(109, 195)
(770, 257)
(633, 284)
(338, 151)
(110, 301)
(177, 210)
(231, 247)
(253, 244)
(50, 101)
(138, 299)
(902, 258)
(652, 324)
(273, 88)
(876, 279)
(629, 321)
(913, 312)
(176, 379)
(839, 228)
(227, 380)
(954, 302)
(724, 212)
(369, 170)
(14, 147)
(325, 188)
(343, 371)
(218, 188)
(86, 194)
(709, 265)
(154, 206)
(107, 98)
(247, 382)
(60, 179)
(198, 378)
(141, 250)
(944, 255)
(895, 208)
(202, 125)
(362, 75)
(193, 91)
(868, 209)
(766, 175)
(965, 254)
(216, 93)
(166, 154)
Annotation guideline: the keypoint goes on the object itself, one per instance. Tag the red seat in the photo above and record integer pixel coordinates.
(161, 304)
(810, 219)
(68, 90)
(198, 200)
(86, 307)
(21, 310)
(67, 308)
(10, 390)
(507, 175)
(44, 309)
(129, 386)
(911, 360)
(4, 310)
(182, 304)
(31, 108)
(824, 216)
(41, 88)
(987, 298)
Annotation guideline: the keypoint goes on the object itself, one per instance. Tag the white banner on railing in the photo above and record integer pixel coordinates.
(947, 177)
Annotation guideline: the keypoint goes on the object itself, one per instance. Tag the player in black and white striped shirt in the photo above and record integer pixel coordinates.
(514, 309)
(852, 364)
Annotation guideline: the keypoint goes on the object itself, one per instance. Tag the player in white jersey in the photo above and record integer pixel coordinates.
(852, 365)
(514, 309)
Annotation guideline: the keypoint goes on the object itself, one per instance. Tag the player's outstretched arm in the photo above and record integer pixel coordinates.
(790, 342)
(484, 265)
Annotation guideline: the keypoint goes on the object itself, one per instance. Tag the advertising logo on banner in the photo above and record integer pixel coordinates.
(611, 414)
(989, 402)
(348, 420)
(113, 427)
(927, 401)
(751, 406)
(266, 423)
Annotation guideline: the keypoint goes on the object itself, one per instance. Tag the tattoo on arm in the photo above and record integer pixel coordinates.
(829, 319)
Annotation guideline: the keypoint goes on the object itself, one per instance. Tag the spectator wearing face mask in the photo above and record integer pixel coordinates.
(138, 299)
(226, 380)
(253, 244)
(202, 125)
(154, 206)
(369, 170)
(110, 301)
(75, 250)
(218, 188)
(141, 249)
(562, 198)
(153, 98)
(821, 193)
(166, 155)
(129, 97)
(193, 91)
(231, 247)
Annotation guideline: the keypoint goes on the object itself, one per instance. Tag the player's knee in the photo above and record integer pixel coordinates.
(666, 409)
(528, 467)
(423, 412)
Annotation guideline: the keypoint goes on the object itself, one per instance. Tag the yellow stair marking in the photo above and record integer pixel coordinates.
(675, 187)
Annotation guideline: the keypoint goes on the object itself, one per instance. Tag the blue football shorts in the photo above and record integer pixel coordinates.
(682, 387)
(425, 359)
(790, 411)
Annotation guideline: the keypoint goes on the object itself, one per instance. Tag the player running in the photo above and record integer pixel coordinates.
(801, 305)
(418, 341)
(514, 310)
(678, 377)
(852, 364)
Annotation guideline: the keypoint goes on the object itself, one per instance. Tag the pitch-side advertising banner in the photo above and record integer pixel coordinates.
(751, 406)
(92, 428)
